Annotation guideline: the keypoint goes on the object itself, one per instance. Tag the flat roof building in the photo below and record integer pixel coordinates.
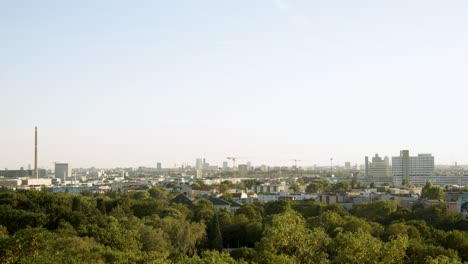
(406, 167)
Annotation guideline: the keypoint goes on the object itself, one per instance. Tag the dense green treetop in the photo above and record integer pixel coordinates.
(145, 227)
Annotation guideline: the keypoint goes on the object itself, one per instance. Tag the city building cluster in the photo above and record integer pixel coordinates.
(398, 179)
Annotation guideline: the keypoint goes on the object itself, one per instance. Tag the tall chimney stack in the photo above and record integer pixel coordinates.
(35, 155)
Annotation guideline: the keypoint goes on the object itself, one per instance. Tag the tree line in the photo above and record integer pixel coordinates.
(145, 227)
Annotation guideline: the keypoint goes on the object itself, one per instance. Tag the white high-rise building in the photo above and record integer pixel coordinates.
(225, 166)
(243, 170)
(199, 164)
(378, 167)
(378, 171)
(409, 167)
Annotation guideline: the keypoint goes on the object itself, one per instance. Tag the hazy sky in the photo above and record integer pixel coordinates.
(130, 83)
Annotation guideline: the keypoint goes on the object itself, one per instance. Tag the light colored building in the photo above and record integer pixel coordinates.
(225, 166)
(62, 171)
(269, 188)
(347, 166)
(10, 183)
(406, 167)
(199, 164)
(243, 170)
(37, 182)
(378, 170)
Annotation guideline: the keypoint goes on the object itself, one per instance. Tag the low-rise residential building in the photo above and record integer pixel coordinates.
(269, 188)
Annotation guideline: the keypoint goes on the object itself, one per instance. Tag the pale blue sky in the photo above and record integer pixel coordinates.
(130, 83)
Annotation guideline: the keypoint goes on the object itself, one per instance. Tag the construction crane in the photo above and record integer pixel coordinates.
(233, 161)
(295, 162)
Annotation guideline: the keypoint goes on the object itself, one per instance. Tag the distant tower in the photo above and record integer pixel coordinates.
(35, 155)
(405, 162)
(366, 166)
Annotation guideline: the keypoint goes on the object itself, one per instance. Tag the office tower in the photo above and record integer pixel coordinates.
(199, 164)
(62, 171)
(366, 166)
(378, 168)
(405, 160)
(225, 165)
(242, 170)
(408, 167)
(159, 166)
(347, 166)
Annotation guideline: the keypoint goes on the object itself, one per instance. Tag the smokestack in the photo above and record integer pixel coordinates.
(35, 155)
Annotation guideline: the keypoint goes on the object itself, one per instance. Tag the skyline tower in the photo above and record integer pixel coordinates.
(36, 174)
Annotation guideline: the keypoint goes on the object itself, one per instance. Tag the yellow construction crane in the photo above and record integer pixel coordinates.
(233, 161)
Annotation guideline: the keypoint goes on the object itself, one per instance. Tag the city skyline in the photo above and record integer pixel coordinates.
(118, 85)
(200, 162)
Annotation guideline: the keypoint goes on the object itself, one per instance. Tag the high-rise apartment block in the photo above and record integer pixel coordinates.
(225, 166)
(378, 169)
(347, 166)
(199, 164)
(243, 170)
(408, 167)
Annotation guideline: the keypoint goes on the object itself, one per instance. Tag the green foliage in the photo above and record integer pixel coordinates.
(340, 186)
(317, 186)
(143, 227)
(253, 212)
(287, 235)
(433, 192)
(377, 211)
(203, 210)
(249, 183)
(277, 207)
(458, 240)
(300, 181)
(209, 257)
(362, 247)
(227, 196)
(421, 252)
(295, 187)
(247, 254)
(158, 192)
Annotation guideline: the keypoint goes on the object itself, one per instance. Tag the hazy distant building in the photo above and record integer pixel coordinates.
(62, 170)
(347, 166)
(366, 166)
(243, 170)
(159, 166)
(378, 170)
(379, 167)
(225, 166)
(199, 164)
(408, 167)
(199, 174)
(22, 173)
